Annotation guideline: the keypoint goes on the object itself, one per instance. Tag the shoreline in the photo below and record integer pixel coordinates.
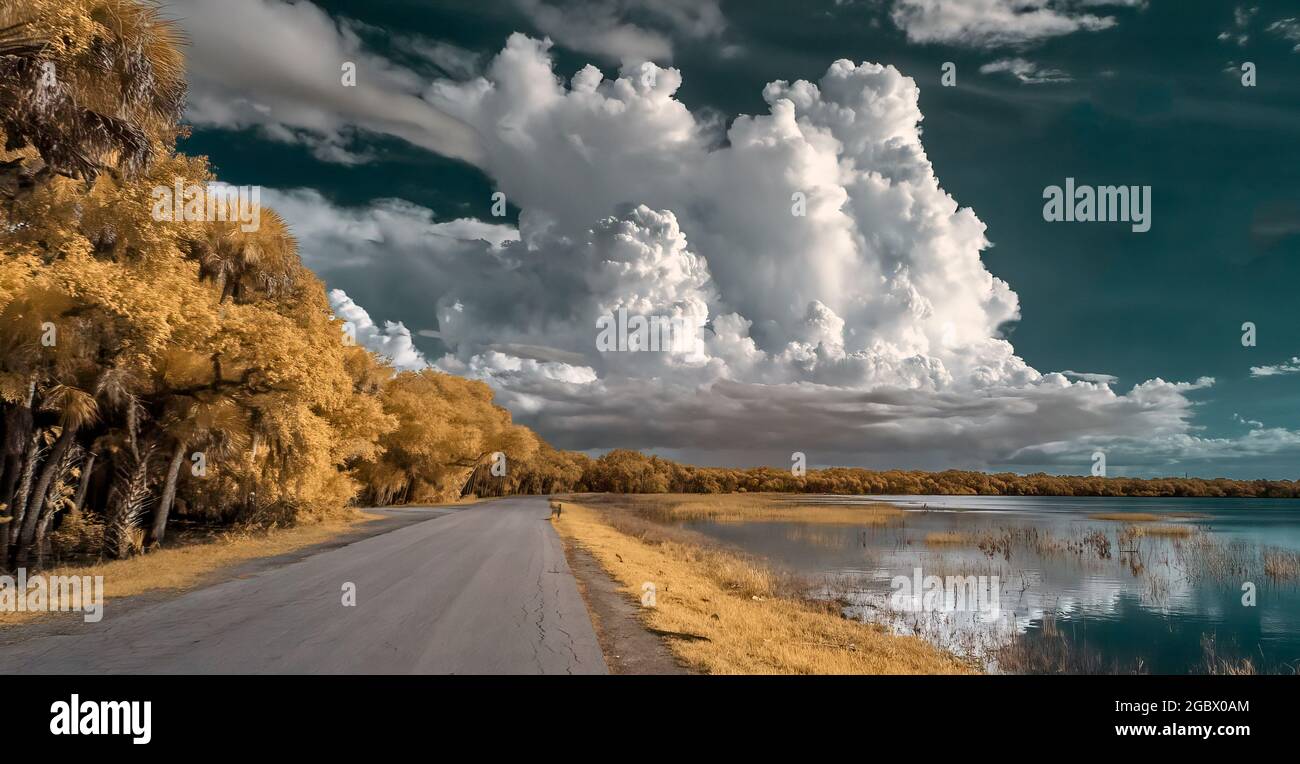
(723, 613)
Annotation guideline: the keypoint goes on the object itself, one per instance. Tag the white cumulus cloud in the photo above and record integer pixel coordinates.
(1273, 370)
(392, 341)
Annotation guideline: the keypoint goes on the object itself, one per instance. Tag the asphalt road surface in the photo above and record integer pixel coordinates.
(483, 589)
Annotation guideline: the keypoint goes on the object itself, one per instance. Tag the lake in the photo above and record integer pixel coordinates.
(1208, 585)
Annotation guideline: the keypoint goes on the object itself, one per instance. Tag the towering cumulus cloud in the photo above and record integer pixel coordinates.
(837, 289)
(819, 234)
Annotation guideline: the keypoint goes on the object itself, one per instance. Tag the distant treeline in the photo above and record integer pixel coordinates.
(624, 471)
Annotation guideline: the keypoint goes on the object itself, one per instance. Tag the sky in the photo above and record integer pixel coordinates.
(839, 203)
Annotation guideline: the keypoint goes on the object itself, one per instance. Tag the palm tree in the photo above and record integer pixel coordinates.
(242, 262)
(31, 456)
(129, 503)
(23, 366)
(88, 98)
(59, 497)
(83, 484)
(209, 420)
(76, 409)
(18, 422)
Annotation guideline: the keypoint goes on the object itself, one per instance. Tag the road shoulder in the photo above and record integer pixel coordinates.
(629, 646)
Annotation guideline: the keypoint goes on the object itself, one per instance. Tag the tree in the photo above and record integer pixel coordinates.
(263, 261)
(92, 85)
(447, 427)
(76, 409)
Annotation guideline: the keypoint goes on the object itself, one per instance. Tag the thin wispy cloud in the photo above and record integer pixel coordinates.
(1025, 71)
(1287, 367)
(1002, 23)
(1287, 29)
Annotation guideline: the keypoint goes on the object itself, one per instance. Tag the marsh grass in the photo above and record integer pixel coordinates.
(1157, 587)
(947, 538)
(1280, 564)
(1214, 663)
(1084, 545)
(725, 612)
(1214, 558)
(824, 538)
(1204, 556)
(1163, 529)
(1051, 651)
(1146, 517)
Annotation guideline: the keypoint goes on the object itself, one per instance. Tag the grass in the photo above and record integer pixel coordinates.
(1213, 663)
(1202, 555)
(1219, 559)
(947, 538)
(1145, 517)
(1281, 564)
(185, 566)
(1083, 544)
(1165, 530)
(825, 538)
(755, 508)
(725, 613)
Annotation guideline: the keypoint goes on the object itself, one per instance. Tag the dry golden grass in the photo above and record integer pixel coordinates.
(1172, 531)
(466, 499)
(1213, 663)
(1146, 517)
(946, 538)
(724, 614)
(819, 536)
(1281, 564)
(757, 507)
(182, 567)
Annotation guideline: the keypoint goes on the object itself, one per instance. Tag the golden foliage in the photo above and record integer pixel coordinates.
(447, 427)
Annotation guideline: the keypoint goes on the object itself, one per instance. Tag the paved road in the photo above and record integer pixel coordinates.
(480, 590)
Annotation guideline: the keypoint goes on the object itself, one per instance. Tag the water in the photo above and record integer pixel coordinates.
(1072, 593)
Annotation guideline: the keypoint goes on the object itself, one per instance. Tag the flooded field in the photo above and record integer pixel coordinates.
(1060, 584)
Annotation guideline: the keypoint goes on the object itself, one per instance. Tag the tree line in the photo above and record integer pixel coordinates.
(626, 471)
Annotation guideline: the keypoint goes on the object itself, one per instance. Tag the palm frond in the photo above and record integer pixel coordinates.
(116, 385)
(111, 98)
(130, 502)
(76, 408)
